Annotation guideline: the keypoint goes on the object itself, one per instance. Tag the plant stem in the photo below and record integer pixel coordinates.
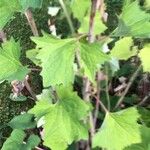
(96, 108)
(81, 36)
(86, 83)
(38, 148)
(100, 77)
(128, 87)
(27, 85)
(35, 69)
(31, 22)
(101, 104)
(107, 96)
(97, 99)
(144, 99)
(67, 16)
(107, 88)
(91, 40)
(91, 23)
(2, 36)
(86, 96)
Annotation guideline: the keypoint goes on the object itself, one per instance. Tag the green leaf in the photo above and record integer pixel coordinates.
(99, 27)
(63, 120)
(80, 8)
(32, 142)
(45, 95)
(145, 144)
(122, 49)
(57, 59)
(19, 98)
(7, 9)
(25, 121)
(91, 57)
(144, 56)
(113, 64)
(41, 108)
(30, 3)
(131, 24)
(118, 130)
(15, 141)
(145, 116)
(147, 4)
(31, 54)
(10, 66)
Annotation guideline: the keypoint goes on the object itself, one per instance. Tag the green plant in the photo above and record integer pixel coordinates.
(63, 115)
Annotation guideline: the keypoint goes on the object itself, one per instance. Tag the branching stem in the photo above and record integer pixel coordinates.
(128, 87)
(101, 104)
(86, 83)
(144, 99)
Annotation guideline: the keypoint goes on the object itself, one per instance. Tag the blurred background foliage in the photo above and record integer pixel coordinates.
(20, 30)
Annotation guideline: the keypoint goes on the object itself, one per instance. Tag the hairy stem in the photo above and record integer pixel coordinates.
(67, 16)
(107, 89)
(97, 99)
(86, 96)
(31, 22)
(96, 109)
(128, 87)
(28, 87)
(144, 99)
(86, 83)
(91, 23)
(101, 104)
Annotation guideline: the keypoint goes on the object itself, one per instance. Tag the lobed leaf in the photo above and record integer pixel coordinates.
(145, 144)
(10, 66)
(63, 120)
(119, 130)
(15, 141)
(57, 56)
(24, 121)
(122, 49)
(99, 26)
(90, 58)
(57, 59)
(30, 4)
(80, 8)
(131, 24)
(32, 142)
(144, 56)
(7, 9)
